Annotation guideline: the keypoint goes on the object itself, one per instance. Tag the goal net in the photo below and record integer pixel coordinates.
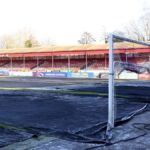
(128, 59)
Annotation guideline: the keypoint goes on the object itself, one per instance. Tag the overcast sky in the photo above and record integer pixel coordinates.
(65, 20)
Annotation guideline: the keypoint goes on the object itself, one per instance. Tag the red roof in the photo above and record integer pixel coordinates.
(73, 50)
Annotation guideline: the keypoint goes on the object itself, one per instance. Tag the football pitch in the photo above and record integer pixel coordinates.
(71, 110)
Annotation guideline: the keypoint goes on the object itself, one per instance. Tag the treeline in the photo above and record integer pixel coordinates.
(138, 30)
(24, 38)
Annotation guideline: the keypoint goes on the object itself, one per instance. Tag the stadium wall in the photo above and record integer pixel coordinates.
(144, 76)
(47, 74)
(4, 73)
(19, 73)
(128, 75)
(92, 74)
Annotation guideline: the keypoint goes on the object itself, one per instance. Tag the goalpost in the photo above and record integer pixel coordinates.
(111, 100)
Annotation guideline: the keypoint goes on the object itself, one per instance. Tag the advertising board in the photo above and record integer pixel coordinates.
(144, 76)
(50, 74)
(4, 73)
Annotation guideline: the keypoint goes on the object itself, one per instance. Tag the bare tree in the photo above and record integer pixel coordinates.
(140, 29)
(104, 34)
(33, 40)
(135, 31)
(116, 32)
(7, 41)
(86, 38)
(145, 25)
(18, 39)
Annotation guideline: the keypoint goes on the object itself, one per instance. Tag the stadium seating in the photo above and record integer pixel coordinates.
(98, 64)
(18, 65)
(76, 64)
(61, 65)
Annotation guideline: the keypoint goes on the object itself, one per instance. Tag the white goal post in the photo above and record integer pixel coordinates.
(111, 99)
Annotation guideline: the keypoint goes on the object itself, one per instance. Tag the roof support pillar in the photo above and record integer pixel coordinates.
(52, 62)
(86, 61)
(68, 63)
(24, 62)
(37, 62)
(126, 57)
(105, 61)
(11, 63)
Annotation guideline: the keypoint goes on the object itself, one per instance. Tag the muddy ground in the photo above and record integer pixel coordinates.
(69, 110)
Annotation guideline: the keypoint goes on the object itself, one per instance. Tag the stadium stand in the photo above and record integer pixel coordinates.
(98, 64)
(70, 58)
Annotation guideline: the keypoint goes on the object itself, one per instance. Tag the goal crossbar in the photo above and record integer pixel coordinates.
(130, 40)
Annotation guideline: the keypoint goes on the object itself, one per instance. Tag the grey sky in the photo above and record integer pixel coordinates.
(65, 20)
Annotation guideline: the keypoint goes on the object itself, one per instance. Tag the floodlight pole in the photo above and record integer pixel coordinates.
(111, 100)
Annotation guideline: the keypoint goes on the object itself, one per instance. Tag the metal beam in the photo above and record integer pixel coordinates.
(111, 103)
(130, 40)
